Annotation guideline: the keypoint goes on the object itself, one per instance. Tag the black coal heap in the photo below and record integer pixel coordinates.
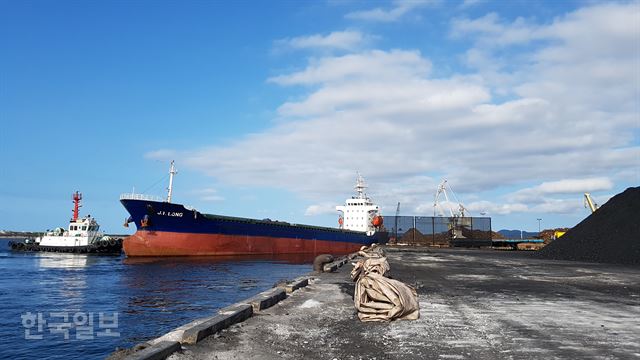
(609, 235)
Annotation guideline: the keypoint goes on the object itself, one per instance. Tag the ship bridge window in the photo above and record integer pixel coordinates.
(84, 228)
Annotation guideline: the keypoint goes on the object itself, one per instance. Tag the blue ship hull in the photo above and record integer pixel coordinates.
(168, 229)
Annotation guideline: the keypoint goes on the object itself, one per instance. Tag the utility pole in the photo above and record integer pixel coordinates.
(539, 225)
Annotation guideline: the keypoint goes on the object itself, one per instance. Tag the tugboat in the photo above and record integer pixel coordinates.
(82, 236)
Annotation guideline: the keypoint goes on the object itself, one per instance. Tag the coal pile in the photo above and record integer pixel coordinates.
(609, 235)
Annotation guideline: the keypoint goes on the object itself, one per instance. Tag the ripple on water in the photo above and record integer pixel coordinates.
(151, 296)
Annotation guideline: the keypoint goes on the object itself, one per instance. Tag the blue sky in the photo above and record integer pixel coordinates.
(270, 108)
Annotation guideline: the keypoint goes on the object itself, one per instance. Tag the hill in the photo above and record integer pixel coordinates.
(515, 234)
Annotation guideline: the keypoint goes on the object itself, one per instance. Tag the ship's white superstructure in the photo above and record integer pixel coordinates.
(359, 213)
(81, 232)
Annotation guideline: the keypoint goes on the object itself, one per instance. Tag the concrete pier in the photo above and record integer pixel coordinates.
(473, 305)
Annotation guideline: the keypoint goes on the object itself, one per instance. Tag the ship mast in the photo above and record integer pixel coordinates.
(77, 196)
(360, 186)
(172, 171)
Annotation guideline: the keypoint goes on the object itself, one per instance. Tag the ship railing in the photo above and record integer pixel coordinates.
(132, 196)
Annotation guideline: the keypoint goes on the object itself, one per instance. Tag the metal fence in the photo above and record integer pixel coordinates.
(439, 231)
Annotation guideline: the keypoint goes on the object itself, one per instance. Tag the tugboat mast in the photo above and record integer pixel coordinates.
(77, 196)
(172, 171)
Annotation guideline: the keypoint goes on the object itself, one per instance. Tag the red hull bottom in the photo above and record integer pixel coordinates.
(151, 243)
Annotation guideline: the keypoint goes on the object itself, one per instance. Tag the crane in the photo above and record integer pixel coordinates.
(442, 189)
(588, 201)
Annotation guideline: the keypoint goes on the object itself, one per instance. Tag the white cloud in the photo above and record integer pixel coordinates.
(568, 120)
(544, 198)
(367, 65)
(400, 8)
(470, 3)
(546, 206)
(491, 32)
(208, 194)
(590, 55)
(543, 205)
(559, 206)
(320, 209)
(489, 208)
(341, 40)
(565, 186)
(162, 154)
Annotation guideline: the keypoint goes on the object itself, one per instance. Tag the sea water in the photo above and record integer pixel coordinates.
(79, 306)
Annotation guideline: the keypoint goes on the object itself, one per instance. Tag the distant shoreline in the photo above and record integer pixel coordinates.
(22, 235)
(19, 235)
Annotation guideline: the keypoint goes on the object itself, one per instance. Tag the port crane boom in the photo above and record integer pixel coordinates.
(588, 201)
(442, 190)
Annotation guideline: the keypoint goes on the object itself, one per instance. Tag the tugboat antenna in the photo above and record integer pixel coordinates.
(77, 196)
(172, 171)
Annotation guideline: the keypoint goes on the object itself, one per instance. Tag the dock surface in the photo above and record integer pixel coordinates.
(473, 305)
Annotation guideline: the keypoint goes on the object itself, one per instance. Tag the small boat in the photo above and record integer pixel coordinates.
(82, 236)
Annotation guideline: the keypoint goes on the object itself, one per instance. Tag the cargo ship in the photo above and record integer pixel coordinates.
(164, 228)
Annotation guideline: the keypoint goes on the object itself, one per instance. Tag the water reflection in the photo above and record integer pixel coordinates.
(150, 295)
(293, 259)
(162, 288)
(66, 277)
(61, 261)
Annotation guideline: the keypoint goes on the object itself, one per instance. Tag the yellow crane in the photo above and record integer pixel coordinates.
(588, 201)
